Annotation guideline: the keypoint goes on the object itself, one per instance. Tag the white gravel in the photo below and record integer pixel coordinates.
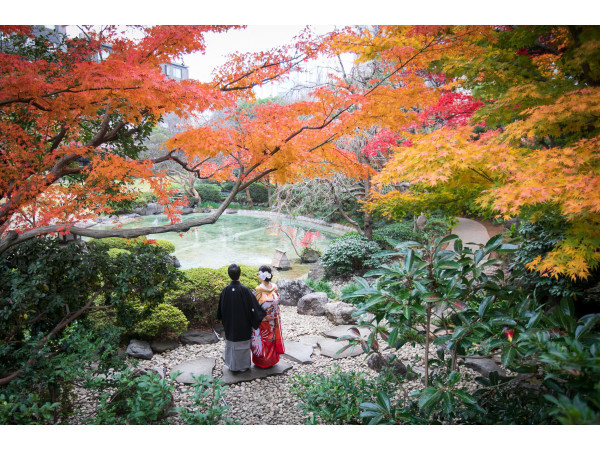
(268, 401)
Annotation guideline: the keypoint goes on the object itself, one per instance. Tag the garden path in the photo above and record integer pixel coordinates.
(469, 230)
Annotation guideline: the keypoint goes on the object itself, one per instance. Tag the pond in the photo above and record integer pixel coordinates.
(237, 238)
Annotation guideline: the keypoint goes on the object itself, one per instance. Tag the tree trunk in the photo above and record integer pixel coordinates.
(368, 228)
(427, 338)
(249, 197)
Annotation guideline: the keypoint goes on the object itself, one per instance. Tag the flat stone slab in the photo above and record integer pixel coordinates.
(254, 373)
(485, 366)
(344, 330)
(197, 367)
(330, 347)
(298, 352)
(309, 340)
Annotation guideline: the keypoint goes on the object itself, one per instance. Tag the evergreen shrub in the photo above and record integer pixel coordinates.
(209, 192)
(350, 253)
(163, 321)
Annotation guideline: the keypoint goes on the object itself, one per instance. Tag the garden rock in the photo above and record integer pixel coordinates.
(231, 211)
(154, 208)
(344, 330)
(139, 349)
(194, 367)
(140, 211)
(291, 291)
(195, 337)
(176, 262)
(313, 304)
(298, 352)
(164, 345)
(254, 373)
(340, 313)
(377, 362)
(485, 366)
(316, 272)
(310, 256)
(330, 347)
(186, 211)
(204, 210)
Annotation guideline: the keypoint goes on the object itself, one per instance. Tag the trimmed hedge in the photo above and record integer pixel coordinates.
(198, 295)
(106, 244)
(209, 192)
(164, 321)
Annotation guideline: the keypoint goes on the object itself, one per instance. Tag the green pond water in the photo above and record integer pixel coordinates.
(236, 238)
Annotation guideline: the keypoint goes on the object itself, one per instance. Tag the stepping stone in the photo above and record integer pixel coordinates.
(298, 352)
(254, 373)
(344, 330)
(310, 340)
(197, 367)
(164, 346)
(194, 337)
(485, 366)
(330, 347)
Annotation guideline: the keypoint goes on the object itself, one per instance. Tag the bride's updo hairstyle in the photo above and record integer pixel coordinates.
(264, 273)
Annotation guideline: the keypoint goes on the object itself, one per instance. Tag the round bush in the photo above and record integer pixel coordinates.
(164, 321)
(399, 232)
(209, 192)
(114, 252)
(349, 253)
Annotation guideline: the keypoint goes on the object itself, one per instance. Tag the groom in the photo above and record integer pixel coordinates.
(240, 312)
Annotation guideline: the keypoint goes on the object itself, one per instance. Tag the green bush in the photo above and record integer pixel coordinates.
(164, 321)
(207, 394)
(350, 289)
(399, 232)
(335, 399)
(209, 192)
(350, 253)
(197, 295)
(128, 206)
(106, 244)
(320, 286)
(114, 252)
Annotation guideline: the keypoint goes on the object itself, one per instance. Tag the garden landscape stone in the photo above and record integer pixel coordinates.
(195, 337)
(231, 211)
(313, 304)
(485, 366)
(298, 352)
(161, 346)
(330, 347)
(254, 373)
(310, 256)
(204, 210)
(186, 211)
(291, 291)
(139, 349)
(340, 313)
(377, 362)
(344, 330)
(194, 367)
(154, 208)
(309, 340)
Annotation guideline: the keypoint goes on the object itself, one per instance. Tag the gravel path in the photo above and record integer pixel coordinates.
(268, 401)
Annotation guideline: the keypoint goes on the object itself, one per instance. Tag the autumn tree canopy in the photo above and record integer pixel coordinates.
(73, 119)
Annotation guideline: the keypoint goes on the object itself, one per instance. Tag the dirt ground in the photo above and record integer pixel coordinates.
(492, 228)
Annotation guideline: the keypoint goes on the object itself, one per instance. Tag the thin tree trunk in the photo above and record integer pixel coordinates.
(249, 197)
(427, 344)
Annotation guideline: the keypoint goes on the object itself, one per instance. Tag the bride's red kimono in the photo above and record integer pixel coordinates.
(267, 342)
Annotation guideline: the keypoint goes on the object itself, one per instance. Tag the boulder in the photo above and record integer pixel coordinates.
(316, 272)
(154, 208)
(139, 349)
(310, 256)
(176, 262)
(231, 211)
(140, 211)
(340, 313)
(485, 366)
(186, 211)
(204, 210)
(164, 345)
(195, 337)
(378, 362)
(291, 291)
(313, 304)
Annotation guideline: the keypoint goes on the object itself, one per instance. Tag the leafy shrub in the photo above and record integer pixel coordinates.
(164, 321)
(350, 253)
(335, 398)
(106, 244)
(114, 252)
(349, 289)
(209, 192)
(46, 291)
(207, 394)
(398, 232)
(139, 399)
(128, 206)
(321, 286)
(197, 295)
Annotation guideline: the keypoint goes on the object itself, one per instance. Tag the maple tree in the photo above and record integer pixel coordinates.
(72, 125)
(528, 141)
